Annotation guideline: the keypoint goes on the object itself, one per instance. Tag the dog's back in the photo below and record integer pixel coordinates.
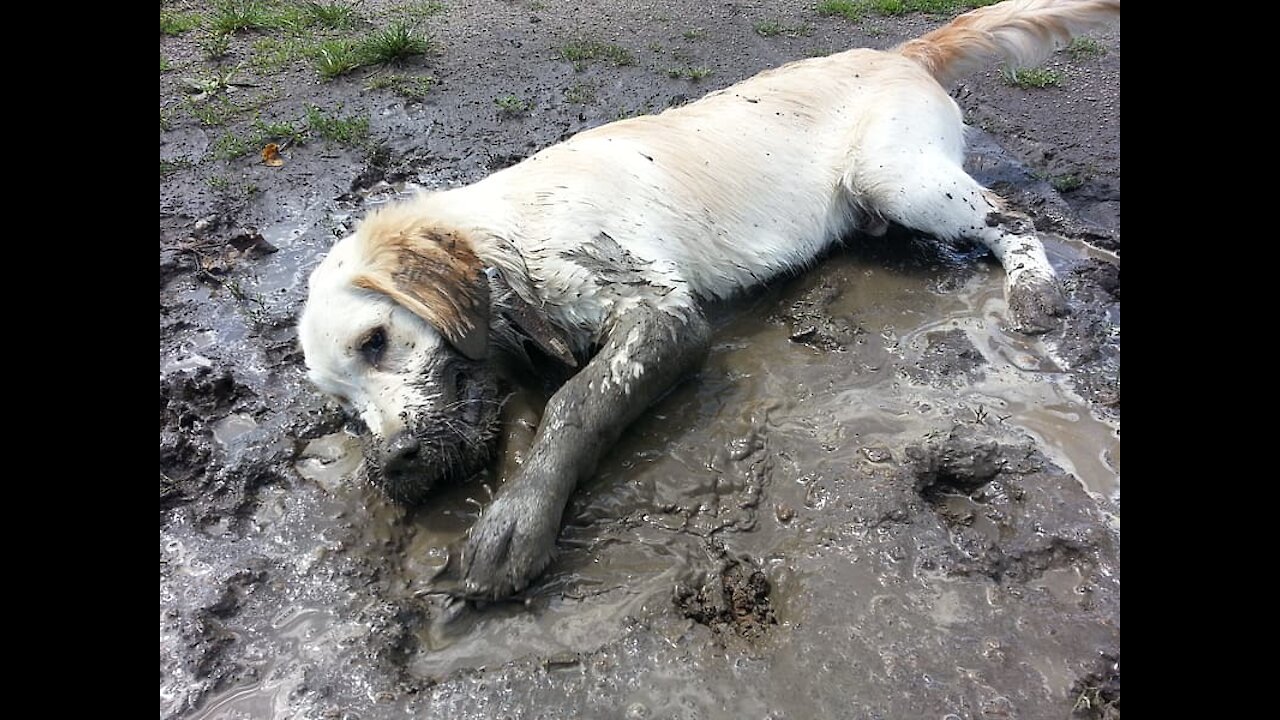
(761, 177)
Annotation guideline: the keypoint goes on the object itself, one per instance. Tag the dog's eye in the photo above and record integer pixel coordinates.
(374, 346)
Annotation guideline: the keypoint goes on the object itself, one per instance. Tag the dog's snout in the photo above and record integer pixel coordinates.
(400, 454)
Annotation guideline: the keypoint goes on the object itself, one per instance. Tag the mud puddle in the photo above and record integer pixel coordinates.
(789, 453)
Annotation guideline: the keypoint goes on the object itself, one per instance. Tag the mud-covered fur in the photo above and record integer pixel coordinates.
(597, 254)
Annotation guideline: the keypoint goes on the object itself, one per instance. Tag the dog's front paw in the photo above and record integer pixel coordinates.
(509, 545)
(1036, 304)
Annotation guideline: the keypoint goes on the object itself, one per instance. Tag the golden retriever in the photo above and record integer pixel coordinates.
(597, 254)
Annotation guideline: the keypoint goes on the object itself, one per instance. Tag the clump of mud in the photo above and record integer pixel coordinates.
(736, 602)
(188, 404)
(809, 320)
(1098, 693)
(948, 355)
(1090, 337)
(961, 462)
(1005, 507)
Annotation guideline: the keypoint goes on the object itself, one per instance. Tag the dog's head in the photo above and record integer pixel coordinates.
(396, 328)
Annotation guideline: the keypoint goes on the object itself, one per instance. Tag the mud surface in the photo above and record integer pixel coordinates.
(874, 501)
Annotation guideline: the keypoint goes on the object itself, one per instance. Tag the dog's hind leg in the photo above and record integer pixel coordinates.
(936, 196)
(648, 351)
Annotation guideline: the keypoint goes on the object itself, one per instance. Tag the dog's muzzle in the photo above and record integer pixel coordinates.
(451, 440)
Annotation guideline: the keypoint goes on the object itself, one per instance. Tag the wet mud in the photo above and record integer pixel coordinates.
(874, 500)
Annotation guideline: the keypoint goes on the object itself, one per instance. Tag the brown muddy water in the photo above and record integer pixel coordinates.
(788, 454)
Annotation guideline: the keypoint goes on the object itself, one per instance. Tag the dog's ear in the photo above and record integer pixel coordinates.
(531, 323)
(436, 275)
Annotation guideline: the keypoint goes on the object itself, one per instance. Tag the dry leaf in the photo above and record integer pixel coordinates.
(271, 155)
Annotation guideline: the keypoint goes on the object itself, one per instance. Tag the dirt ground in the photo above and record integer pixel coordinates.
(874, 501)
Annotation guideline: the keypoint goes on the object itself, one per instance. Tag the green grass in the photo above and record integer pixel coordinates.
(336, 57)
(773, 28)
(169, 167)
(392, 44)
(285, 132)
(230, 146)
(768, 28)
(1067, 182)
(348, 131)
(412, 88)
(693, 74)
(581, 51)
(1085, 47)
(855, 10)
(847, 9)
(164, 63)
(176, 23)
(1031, 77)
(695, 34)
(580, 94)
(330, 15)
(221, 183)
(215, 46)
(511, 106)
(272, 54)
(396, 42)
(232, 16)
(212, 113)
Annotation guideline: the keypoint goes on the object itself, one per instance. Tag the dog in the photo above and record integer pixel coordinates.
(596, 255)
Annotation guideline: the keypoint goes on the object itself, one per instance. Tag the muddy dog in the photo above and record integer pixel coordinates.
(597, 253)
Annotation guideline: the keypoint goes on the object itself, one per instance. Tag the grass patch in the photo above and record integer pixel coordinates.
(768, 28)
(580, 94)
(395, 43)
(336, 57)
(330, 15)
(847, 9)
(221, 183)
(164, 63)
(286, 132)
(581, 51)
(272, 54)
(212, 113)
(1085, 47)
(177, 23)
(1031, 77)
(412, 88)
(511, 106)
(215, 46)
(233, 16)
(230, 146)
(349, 131)
(169, 167)
(773, 28)
(855, 10)
(1066, 183)
(696, 34)
(389, 45)
(693, 74)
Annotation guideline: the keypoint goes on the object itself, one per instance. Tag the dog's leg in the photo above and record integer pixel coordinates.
(935, 196)
(646, 353)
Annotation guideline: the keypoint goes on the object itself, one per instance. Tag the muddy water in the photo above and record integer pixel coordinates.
(784, 451)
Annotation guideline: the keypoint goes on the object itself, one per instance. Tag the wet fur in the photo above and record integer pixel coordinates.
(598, 252)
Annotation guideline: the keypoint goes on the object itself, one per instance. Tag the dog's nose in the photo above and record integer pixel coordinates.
(400, 453)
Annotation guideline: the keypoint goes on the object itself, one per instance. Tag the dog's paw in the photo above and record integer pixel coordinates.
(509, 545)
(1036, 304)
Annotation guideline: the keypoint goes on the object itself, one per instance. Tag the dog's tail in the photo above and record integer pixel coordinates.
(1020, 32)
